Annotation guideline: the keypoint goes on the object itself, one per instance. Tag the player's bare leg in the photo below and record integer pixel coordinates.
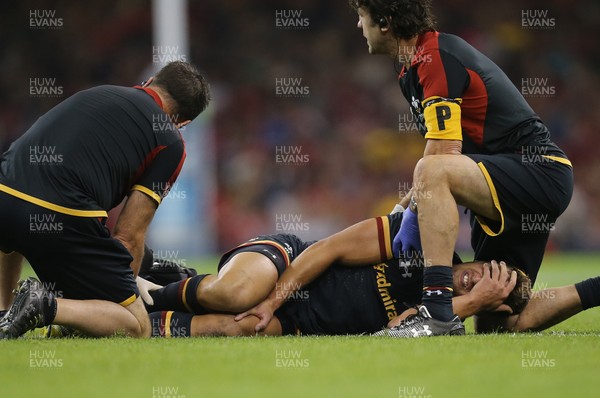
(10, 270)
(100, 318)
(441, 182)
(35, 307)
(225, 325)
(180, 324)
(243, 282)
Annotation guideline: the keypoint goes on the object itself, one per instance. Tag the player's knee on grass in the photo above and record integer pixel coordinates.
(140, 325)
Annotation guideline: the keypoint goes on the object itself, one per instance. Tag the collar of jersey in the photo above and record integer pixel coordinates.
(419, 44)
(151, 93)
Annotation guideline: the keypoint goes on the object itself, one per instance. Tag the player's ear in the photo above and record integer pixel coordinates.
(183, 124)
(384, 24)
(147, 82)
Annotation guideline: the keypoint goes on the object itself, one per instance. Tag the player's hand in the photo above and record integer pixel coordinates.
(395, 321)
(494, 287)
(263, 311)
(145, 287)
(408, 238)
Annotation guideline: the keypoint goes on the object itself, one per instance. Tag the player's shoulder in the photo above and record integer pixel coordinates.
(441, 42)
(107, 89)
(448, 42)
(115, 97)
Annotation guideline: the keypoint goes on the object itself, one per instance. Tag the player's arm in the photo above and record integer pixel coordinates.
(545, 308)
(133, 223)
(443, 123)
(146, 195)
(444, 81)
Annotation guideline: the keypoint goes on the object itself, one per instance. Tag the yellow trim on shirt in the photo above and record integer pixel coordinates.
(52, 206)
(148, 192)
(385, 222)
(558, 159)
(490, 184)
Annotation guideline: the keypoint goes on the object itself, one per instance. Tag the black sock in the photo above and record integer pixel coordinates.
(437, 292)
(589, 292)
(171, 324)
(178, 296)
(50, 306)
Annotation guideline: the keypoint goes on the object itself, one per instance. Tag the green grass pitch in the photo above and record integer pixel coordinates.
(560, 362)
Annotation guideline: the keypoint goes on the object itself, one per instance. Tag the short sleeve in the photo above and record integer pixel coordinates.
(162, 171)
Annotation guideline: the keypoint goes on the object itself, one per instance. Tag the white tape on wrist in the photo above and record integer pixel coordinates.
(397, 209)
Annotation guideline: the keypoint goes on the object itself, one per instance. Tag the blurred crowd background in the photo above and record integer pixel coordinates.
(347, 121)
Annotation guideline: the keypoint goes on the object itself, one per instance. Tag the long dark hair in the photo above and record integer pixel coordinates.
(406, 18)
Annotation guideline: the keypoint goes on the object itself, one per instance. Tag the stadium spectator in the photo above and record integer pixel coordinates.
(102, 42)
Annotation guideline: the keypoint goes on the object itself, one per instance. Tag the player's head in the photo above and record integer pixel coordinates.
(384, 21)
(467, 275)
(186, 87)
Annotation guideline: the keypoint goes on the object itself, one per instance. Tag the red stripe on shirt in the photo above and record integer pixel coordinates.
(381, 238)
(151, 93)
(474, 108)
(179, 166)
(147, 161)
(432, 75)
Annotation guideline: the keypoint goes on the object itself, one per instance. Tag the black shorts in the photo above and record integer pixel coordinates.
(530, 193)
(73, 256)
(268, 249)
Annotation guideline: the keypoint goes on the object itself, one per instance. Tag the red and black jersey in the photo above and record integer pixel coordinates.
(87, 153)
(457, 93)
